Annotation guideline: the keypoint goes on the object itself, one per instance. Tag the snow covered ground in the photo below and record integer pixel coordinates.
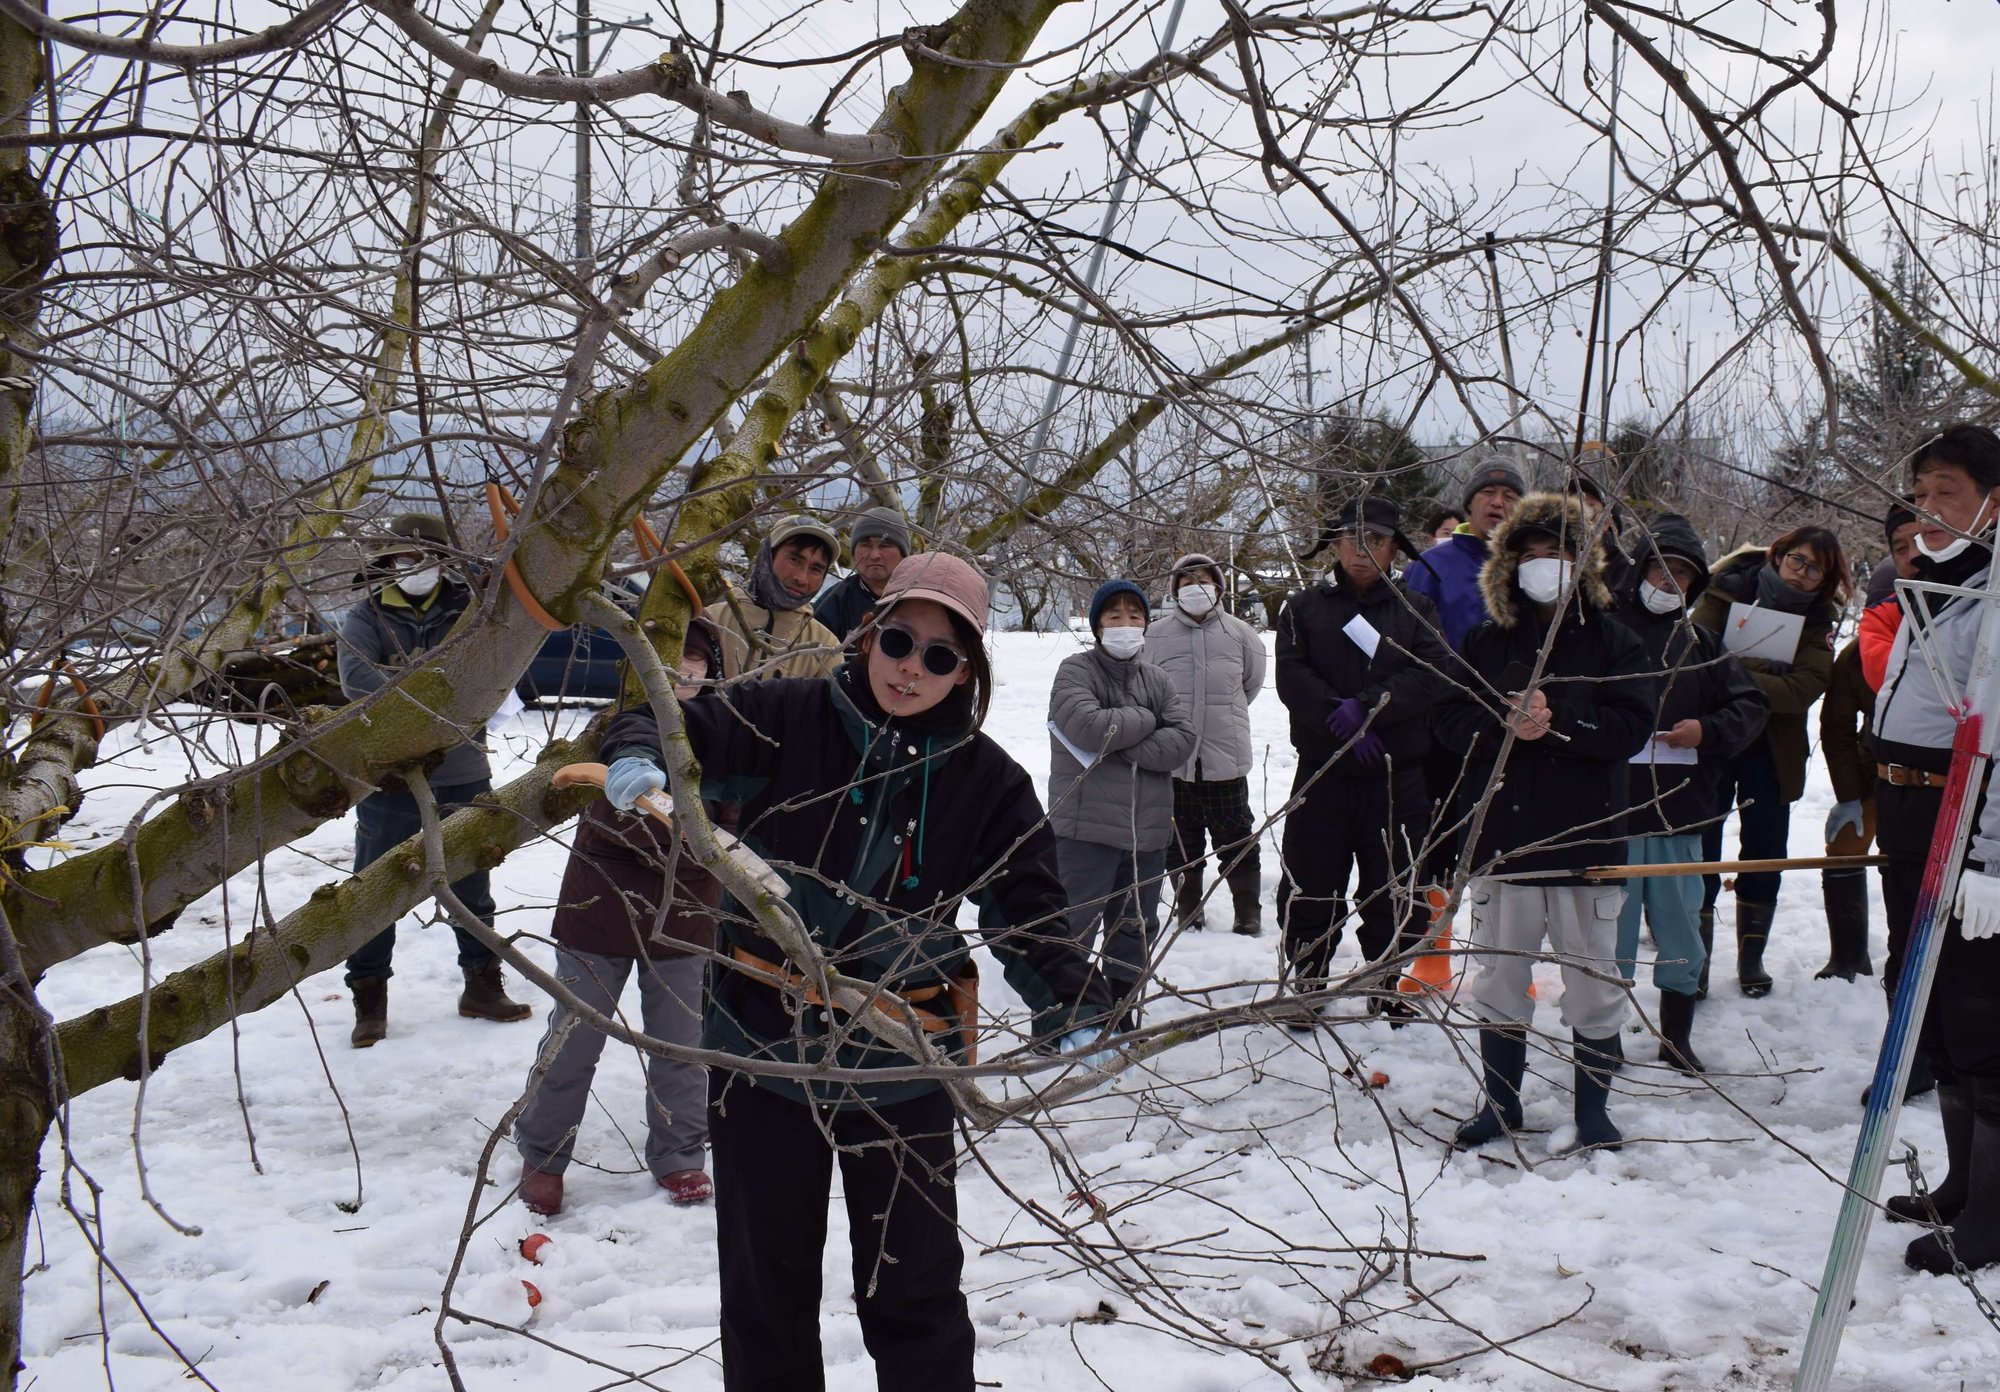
(1239, 1180)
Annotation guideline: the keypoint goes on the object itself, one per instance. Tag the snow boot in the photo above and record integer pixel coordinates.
(540, 1191)
(1753, 930)
(371, 1011)
(1676, 1022)
(1975, 1232)
(686, 1188)
(1187, 901)
(1244, 887)
(485, 997)
(1948, 1198)
(1845, 894)
(1503, 1056)
(1705, 929)
(1594, 1130)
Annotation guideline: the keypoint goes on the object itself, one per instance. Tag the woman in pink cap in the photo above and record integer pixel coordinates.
(876, 796)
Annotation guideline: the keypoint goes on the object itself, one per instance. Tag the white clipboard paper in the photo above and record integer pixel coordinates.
(1363, 635)
(1082, 756)
(1658, 751)
(1770, 634)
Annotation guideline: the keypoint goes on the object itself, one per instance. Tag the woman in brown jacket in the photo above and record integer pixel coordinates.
(1803, 572)
(609, 920)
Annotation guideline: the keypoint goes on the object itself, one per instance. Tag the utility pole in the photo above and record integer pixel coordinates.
(585, 253)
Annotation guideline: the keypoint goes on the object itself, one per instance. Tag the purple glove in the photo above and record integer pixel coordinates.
(1368, 749)
(1347, 719)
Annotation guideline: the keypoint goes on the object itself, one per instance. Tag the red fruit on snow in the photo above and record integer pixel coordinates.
(534, 1293)
(532, 1245)
(1378, 1079)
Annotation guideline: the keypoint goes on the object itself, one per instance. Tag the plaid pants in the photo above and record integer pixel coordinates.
(1219, 812)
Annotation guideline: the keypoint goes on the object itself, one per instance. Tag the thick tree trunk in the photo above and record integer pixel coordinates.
(25, 1113)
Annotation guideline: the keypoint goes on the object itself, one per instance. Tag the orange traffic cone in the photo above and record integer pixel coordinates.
(1432, 970)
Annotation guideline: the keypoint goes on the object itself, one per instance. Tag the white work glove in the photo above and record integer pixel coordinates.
(1978, 905)
(1084, 1037)
(630, 779)
(1844, 814)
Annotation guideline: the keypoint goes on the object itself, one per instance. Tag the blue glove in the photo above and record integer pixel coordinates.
(1844, 814)
(1369, 749)
(630, 779)
(1083, 1037)
(1348, 717)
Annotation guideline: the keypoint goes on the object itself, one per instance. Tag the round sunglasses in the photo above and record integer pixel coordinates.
(940, 659)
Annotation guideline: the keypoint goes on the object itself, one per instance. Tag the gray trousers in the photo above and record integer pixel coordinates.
(1119, 888)
(676, 1093)
(1580, 924)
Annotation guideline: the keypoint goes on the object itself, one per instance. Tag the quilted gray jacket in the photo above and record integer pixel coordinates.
(1126, 720)
(1217, 667)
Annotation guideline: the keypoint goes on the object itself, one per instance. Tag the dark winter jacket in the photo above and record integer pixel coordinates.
(384, 636)
(880, 827)
(1792, 687)
(1692, 679)
(1320, 665)
(843, 607)
(1562, 804)
(1448, 576)
(609, 904)
(1846, 719)
(1129, 722)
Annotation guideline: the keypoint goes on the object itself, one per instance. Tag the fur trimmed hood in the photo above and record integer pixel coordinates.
(1538, 512)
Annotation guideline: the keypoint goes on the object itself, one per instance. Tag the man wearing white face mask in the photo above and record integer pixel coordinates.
(1117, 731)
(1956, 475)
(1216, 663)
(413, 602)
(1552, 808)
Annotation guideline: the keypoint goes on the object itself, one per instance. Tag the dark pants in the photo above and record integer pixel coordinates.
(1119, 889)
(382, 822)
(1444, 773)
(1751, 777)
(1343, 826)
(773, 1175)
(1217, 811)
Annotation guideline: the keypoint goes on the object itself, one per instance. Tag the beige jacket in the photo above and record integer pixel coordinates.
(765, 643)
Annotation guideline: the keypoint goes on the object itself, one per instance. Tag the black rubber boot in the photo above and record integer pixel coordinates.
(1594, 1130)
(1705, 928)
(371, 1012)
(1753, 930)
(1845, 894)
(1503, 1056)
(1955, 1111)
(1975, 1233)
(1676, 1022)
(1187, 901)
(1244, 887)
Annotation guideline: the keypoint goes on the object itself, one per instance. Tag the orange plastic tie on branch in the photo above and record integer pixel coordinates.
(650, 546)
(500, 503)
(88, 706)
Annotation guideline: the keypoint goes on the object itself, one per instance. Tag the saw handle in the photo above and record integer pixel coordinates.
(592, 775)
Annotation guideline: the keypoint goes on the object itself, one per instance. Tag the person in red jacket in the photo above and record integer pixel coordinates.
(1880, 620)
(1844, 733)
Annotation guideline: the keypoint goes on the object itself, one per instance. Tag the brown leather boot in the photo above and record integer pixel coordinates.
(485, 997)
(371, 1011)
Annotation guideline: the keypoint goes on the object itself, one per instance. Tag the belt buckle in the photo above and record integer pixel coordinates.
(1897, 774)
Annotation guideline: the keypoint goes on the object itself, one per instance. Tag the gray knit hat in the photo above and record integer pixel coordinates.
(885, 523)
(1493, 469)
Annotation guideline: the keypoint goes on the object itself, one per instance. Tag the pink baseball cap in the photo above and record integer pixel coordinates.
(942, 577)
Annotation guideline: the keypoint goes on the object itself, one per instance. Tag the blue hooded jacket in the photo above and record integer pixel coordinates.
(1448, 576)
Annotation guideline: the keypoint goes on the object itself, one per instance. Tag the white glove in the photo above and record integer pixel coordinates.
(1085, 1037)
(1978, 905)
